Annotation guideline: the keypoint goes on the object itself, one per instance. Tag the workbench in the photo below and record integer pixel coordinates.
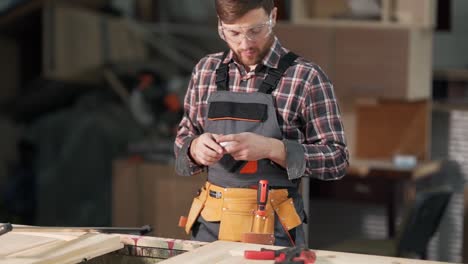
(51, 246)
(232, 252)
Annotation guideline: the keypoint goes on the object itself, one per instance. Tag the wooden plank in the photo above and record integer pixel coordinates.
(91, 246)
(50, 247)
(17, 261)
(161, 243)
(231, 252)
(14, 242)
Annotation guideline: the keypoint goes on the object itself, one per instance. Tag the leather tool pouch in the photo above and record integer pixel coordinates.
(237, 218)
(213, 209)
(195, 209)
(287, 214)
(235, 210)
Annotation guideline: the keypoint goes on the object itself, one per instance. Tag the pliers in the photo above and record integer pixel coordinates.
(5, 228)
(293, 255)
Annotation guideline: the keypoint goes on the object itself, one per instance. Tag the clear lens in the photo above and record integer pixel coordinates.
(236, 35)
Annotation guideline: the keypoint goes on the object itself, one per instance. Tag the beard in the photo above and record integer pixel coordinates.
(250, 56)
(253, 55)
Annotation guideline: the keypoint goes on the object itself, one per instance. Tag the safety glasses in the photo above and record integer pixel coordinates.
(236, 34)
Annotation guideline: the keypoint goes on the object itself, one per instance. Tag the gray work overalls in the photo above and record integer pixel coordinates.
(237, 112)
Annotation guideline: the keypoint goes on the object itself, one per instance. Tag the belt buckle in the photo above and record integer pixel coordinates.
(216, 194)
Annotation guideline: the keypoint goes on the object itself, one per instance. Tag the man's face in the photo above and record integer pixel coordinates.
(250, 36)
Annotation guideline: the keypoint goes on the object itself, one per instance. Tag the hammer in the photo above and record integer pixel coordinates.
(258, 234)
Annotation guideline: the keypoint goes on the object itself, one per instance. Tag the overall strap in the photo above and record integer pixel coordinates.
(222, 74)
(274, 75)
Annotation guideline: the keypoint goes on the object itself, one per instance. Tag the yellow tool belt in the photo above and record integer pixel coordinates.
(235, 209)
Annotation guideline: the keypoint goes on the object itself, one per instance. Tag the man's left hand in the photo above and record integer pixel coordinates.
(246, 146)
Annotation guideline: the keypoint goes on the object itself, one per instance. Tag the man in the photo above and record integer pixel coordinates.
(256, 112)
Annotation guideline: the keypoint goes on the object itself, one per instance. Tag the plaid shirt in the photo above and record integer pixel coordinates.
(307, 111)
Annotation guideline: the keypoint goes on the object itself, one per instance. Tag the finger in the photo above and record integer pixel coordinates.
(238, 157)
(206, 160)
(213, 145)
(232, 147)
(216, 137)
(227, 138)
(209, 142)
(211, 160)
(210, 153)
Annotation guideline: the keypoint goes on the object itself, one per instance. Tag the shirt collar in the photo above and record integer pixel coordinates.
(270, 60)
(274, 55)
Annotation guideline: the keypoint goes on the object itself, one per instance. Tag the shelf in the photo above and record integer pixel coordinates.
(326, 22)
(393, 13)
(451, 75)
(450, 105)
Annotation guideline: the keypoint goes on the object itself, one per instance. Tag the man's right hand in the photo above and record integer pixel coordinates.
(205, 149)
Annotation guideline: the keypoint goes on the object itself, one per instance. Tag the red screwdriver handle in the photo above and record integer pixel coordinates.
(262, 195)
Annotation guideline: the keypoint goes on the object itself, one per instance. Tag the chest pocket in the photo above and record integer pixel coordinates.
(234, 111)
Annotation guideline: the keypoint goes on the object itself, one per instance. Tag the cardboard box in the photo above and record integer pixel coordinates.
(148, 193)
(387, 128)
(78, 42)
(314, 43)
(387, 62)
(326, 8)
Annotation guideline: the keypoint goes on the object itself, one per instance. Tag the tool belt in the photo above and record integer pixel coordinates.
(235, 209)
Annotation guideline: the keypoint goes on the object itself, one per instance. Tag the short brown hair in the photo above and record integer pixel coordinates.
(231, 10)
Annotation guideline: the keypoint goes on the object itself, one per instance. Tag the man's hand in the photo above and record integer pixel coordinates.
(249, 146)
(205, 149)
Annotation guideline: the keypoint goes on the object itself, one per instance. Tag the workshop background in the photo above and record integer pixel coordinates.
(91, 94)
